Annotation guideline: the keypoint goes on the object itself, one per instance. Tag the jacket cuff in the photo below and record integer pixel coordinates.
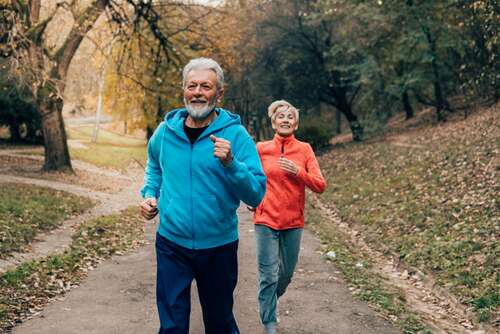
(148, 193)
(233, 167)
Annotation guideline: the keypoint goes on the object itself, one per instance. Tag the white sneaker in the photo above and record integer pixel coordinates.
(270, 328)
(277, 311)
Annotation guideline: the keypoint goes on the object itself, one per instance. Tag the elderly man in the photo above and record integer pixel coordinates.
(201, 164)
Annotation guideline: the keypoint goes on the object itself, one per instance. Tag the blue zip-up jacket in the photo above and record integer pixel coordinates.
(198, 196)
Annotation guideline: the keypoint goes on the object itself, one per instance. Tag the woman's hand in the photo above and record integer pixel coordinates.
(288, 166)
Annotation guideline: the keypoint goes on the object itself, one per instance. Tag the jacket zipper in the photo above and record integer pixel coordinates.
(191, 192)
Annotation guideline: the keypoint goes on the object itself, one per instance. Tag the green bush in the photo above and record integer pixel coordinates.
(316, 135)
(22, 119)
(18, 111)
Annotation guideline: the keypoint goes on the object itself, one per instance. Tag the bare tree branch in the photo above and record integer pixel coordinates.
(34, 12)
(354, 94)
(82, 25)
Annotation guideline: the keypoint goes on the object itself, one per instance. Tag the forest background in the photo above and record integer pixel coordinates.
(352, 67)
(346, 64)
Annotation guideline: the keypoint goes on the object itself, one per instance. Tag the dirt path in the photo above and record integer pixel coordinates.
(59, 239)
(119, 297)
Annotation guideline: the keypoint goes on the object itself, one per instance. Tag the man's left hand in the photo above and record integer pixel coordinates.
(222, 150)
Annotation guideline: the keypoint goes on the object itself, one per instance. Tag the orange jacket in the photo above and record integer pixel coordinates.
(283, 205)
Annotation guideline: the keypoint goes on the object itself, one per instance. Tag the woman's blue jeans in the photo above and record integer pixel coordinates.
(277, 255)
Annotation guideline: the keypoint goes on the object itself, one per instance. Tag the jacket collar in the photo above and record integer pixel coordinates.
(283, 140)
(175, 121)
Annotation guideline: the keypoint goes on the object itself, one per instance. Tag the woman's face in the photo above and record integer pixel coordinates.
(285, 122)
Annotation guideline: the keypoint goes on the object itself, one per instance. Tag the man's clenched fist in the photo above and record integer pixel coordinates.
(149, 208)
(222, 150)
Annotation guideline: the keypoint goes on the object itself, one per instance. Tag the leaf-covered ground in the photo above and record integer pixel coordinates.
(431, 196)
(27, 210)
(364, 282)
(26, 289)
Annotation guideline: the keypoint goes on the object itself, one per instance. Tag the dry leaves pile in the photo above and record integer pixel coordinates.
(431, 196)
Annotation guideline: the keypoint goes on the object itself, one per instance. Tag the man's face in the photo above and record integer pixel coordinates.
(200, 93)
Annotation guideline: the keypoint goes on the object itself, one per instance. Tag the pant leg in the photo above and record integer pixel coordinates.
(268, 262)
(173, 286)
(216, 274)
(289, 247)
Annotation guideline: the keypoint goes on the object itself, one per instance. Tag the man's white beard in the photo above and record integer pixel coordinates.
(199, 112)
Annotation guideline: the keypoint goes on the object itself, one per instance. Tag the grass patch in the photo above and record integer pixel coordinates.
(364, 283)
(104, 137)
(26, 289)
(433, 202)
(111, 156)
(112, 150)
(27, 210)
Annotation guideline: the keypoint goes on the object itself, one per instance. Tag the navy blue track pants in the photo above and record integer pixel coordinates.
(216, 273)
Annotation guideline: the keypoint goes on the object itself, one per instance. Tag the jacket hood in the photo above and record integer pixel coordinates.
(175, 121)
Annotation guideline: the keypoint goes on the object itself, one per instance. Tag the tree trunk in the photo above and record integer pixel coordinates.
(407, 105)
(346, 109)
(49, 103)
(255, 128)
(54, 135)
(338, 118)
(496, 91)
(356, 127)
(441, 102)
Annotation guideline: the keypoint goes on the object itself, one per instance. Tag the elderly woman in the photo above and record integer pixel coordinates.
(290, 165)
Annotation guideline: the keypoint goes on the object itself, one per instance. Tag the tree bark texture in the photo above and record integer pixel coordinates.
(407, 105)
(337, 97)
(441, 101)
(346, 108)
(338, 118)
(56, 145)
(48, 96)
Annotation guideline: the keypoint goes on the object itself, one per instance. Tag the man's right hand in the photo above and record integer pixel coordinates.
(149, 208)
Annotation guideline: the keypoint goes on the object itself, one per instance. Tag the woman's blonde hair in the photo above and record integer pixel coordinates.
(281, 105)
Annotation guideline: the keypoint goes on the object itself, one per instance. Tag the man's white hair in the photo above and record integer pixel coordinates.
(204, 64)
(281, 105)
